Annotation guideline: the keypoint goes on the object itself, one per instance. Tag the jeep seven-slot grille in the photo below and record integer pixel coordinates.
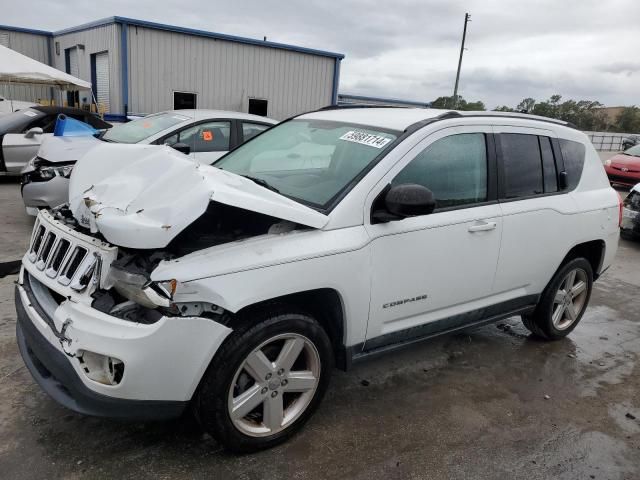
(61, 259)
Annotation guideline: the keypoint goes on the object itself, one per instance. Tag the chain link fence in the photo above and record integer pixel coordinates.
(607, 142)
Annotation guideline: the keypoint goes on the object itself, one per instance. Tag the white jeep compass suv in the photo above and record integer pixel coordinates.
(334, 236)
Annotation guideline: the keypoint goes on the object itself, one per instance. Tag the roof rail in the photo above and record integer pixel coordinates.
(444, 116)
(359, 105)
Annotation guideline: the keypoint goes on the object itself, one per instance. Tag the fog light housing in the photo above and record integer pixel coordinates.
(101, 368)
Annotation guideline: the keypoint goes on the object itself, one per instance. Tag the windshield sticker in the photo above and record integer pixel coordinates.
(207, 135)
(364, 138)
(29, 113)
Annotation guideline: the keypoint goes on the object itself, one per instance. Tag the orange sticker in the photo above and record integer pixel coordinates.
(207, 135)
(147, 125)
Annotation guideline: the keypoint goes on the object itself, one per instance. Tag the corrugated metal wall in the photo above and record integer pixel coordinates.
(95, 40)
(36, 47)
(224, 74)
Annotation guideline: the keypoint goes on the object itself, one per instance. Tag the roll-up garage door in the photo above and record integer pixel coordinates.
(73, 62)
(102, 80)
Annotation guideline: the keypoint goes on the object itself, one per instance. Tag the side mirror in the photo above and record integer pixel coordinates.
(182, 148)
(32, 132)
(405, 200)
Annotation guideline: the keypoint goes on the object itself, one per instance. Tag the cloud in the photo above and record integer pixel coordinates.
(409, 48)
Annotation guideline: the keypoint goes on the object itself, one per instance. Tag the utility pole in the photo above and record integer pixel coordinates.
(467, 19)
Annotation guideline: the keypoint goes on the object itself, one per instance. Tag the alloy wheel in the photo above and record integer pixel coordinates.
(570, 299)
(274, 385)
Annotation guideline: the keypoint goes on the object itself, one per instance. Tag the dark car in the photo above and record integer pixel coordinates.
(22, 132)
(630, 224)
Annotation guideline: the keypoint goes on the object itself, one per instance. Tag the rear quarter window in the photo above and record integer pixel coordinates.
(573, 155)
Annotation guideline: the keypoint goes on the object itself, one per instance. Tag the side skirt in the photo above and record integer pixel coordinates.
(404, 338)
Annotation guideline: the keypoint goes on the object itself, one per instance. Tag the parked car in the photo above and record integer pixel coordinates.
(205, 135)
(630, 141)
(624, 168)
(8, 106)
(630, 227)
(235, 288)
(22, 132)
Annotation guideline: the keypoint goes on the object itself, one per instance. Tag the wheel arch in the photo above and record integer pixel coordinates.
(326, 305)
(593, 251)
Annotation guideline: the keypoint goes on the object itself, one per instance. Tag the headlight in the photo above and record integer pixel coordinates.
(607, 163)
(47, 173)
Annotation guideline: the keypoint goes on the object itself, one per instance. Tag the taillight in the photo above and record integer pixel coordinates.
(619, 209)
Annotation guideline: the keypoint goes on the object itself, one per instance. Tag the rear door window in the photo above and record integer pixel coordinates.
(250, 130)
(521, 165)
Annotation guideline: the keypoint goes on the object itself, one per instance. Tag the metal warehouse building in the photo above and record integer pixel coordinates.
(139, 67)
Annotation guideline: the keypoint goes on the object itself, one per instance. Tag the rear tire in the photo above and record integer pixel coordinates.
(266, 380)
(563, 301)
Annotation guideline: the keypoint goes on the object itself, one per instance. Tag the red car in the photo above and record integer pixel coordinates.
(624, 168)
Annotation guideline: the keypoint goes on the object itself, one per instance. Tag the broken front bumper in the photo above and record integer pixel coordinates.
(163, 361)
(47, 194)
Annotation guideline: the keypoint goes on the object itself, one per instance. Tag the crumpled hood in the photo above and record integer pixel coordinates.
(142, 196)
(66, 149)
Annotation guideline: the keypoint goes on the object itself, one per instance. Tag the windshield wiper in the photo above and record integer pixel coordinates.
(262, 183)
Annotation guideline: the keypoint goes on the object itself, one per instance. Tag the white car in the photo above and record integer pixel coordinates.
(204, 135)
(334, 236)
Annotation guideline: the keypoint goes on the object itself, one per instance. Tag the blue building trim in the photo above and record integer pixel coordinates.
(86, 26)
(26, 30)
(336, 81)
(196, 32)
(124, 58)
(362, 98)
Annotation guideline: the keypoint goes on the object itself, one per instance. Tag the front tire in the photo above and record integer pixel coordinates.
(266, 380)
(563, 301)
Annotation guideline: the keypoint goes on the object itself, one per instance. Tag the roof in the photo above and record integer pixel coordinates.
(393, 118)
(346, 98)
(203, 114)
(176, 29)
(399, 118)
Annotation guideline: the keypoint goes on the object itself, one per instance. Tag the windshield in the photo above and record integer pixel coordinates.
(309, 160)
(635, 151)
(141, 129)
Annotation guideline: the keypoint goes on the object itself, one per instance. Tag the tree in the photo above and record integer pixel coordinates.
(503, 108)
(460, 104)
(629, 120)
(526, 105)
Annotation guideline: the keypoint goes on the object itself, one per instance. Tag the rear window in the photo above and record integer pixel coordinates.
(573, 156)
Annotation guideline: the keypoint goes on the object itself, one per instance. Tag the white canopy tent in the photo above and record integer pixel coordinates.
(18, 68)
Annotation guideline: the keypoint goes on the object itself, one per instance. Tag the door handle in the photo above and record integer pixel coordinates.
(482, 226)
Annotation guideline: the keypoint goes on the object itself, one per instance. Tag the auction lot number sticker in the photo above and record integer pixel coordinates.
(364, 138)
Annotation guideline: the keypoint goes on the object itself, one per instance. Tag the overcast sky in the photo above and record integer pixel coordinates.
(582, 49)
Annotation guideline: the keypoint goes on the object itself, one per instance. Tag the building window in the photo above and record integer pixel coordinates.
(258, 106)
(183, 100)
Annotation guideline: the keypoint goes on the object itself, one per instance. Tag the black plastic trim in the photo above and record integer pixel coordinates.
(475, 318)
(53, 371)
